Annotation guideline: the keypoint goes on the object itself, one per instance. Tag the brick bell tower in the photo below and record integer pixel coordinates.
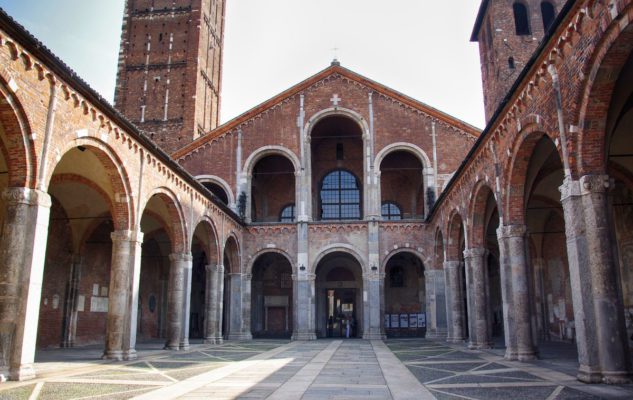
(508, 32)
(170, 68)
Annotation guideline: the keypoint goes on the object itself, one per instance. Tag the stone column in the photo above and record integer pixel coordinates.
(118, 294)
(186, 303)
(375, 327)
(480, 335)
(175, 299)
(211, 305)
(236, 315)
(603, 352)
(219, 315)
(70, 302)
(304, 307)
(540, 299)
(435, 304)
(454, 302)
(245, 330)
(516, 293)
(22, 255)
(131, 318)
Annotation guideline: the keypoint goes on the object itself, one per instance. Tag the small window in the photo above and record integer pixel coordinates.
(548, 13)
(396, 277)
(521, 21)
(390, 212)
(511, 63)
(288, 213)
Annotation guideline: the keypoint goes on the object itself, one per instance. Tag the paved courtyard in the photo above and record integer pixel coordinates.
(324, 369)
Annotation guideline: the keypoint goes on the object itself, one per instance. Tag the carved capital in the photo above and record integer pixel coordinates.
(26, 196)
(569, 188)
(180, 257)
(594, 184)
(479, 252)
(452, 264)
(508, 231)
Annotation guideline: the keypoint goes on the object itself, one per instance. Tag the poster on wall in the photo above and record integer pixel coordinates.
(413, 321)
(395, 323)
(387, 319)
(404, 320)
(422, 320)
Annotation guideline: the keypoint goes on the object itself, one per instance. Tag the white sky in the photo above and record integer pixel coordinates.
(418, 47)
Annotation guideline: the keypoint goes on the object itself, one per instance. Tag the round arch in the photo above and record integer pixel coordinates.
(220, 182)
(253, 259)
(177, 227)
(232, 251)
(122, 203)
(337, 112)
(395, 252)
(337, 248)
(477, 210)
(265, 151)
(214, 244)
(454, 228)
(408, 147)
(20, 156)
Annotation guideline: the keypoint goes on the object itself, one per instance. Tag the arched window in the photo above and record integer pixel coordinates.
(521, 21)
(511, 64)
(288, 214)
(390, 211)
(340, 196)
(548, 13)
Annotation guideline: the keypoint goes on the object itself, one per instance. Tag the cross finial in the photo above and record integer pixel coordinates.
(335, 60)
(335, 100)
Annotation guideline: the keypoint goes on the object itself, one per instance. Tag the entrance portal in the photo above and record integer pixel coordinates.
(339, 297)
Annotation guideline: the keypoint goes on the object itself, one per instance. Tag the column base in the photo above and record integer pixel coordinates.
(616, 377)
(184, 345)
(210, 340)
(303, 336)
(171, 346)
(587, 374)
(479, 346)
(455, 340)
(437, 334)
(129, 355)
(374, 336)
(23, 373)
(4, 374)
(116, 355)
(527, 356)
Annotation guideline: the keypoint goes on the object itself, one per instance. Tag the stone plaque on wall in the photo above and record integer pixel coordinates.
(98, 304)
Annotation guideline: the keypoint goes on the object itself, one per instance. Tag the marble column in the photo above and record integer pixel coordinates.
(603, 352)
(211, 305)
(515, 288)
(186, 304)
(70, 302)
(175, 299)
(454, 301)
(480, 335)
(304, 306)
(435, 304)
(22, 255)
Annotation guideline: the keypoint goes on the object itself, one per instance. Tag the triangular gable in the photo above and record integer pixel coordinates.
(333, 69)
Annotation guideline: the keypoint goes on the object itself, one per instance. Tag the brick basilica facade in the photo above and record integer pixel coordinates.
(339, 207)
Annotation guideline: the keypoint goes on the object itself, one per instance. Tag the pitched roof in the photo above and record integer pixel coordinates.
(334, 68)
(483, 7)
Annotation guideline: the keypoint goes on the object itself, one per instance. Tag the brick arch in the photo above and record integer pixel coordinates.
(477, 212)
(516, 169)
(221, 183)
(419, 255)
(176, 226)
(438, 250)
(338, 112)
(213, 250)
(266, 151)
(455, 226)
(261, 252)
(233, 252)
(122, 211)
(603, 70)
(19, 153)
(337, 248)
(403, 146)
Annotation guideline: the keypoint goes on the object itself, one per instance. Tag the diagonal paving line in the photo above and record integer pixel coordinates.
(401, 382)
(183, 387)
(295, 387)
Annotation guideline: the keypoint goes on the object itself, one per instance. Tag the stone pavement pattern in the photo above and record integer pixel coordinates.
(324, 369)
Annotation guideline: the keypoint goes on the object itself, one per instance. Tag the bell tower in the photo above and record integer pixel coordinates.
(170, 68)
(509, 32)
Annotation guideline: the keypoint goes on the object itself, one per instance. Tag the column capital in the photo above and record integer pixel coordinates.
(587, 184)
(186, 257)
(475, 252)
(303, 277)
(247, 277)
(22, 195)
(508, 231)
(127, 236)
(452, 264)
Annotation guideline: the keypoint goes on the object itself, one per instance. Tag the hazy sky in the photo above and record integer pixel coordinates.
(418, 47)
